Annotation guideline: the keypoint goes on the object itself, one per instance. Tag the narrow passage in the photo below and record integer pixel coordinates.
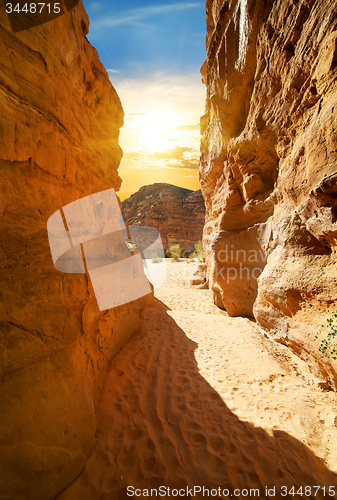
(199, 399)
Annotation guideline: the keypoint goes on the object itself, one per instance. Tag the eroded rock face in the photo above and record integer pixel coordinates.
(177, 213)
(269, 163)
(59, 128)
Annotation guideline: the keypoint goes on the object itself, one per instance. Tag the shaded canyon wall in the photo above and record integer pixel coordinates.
(59, 129)
(269, 165)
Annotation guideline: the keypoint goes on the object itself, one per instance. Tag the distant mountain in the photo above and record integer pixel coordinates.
(177, 213)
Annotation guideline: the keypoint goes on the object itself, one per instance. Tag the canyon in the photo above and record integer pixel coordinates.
(166, 391)
(177, 213)
(59, 129)
(268, 166)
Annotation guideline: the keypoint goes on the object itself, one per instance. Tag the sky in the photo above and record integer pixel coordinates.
(153, 51)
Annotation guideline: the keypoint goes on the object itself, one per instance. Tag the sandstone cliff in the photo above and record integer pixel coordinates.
(177, 213)
(59, 128)
(269, 164)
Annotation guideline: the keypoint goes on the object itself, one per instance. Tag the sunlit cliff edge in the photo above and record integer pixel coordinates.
(59, 129)
(268, 166)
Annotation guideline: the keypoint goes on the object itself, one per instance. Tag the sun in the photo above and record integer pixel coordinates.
(156, 131)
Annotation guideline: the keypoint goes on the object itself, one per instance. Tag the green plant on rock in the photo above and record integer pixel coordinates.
(199, 251)
(328, 346)
(175, 252)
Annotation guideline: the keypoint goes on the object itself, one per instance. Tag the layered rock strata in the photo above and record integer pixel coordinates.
(177, 213)
(59, 128)
(269, 165)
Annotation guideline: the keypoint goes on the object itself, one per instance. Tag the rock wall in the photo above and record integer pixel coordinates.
(59, 128)
(269, 165)
(177, 213)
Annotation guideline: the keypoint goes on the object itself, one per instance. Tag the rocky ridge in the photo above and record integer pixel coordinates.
(176, 212)
(269, 163)
(59, 129)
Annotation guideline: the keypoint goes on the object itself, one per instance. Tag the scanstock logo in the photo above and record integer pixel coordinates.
(24, 15)
(89, 235)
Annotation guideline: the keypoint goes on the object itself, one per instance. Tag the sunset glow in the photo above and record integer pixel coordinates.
(161, 136)
(153, 52)
(156, 131)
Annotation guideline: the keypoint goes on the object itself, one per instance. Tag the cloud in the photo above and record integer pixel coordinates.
(95, 5)
(176, 153)
(184, 165)
(113, 70)
(132, 155)
(158, 160)
(183, 96)
(188, 127)
(190, 165)
(135, 15)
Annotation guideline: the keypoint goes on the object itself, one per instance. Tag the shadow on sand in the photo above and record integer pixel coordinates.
(160, 423)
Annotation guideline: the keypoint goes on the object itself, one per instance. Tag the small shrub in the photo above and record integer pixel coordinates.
(175, 252)
(199, 251)
(155, 258)
(328, 346)
(192, 256)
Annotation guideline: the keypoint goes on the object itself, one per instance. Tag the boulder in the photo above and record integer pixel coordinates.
(199, 277)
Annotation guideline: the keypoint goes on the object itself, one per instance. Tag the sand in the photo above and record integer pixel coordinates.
(198, 399)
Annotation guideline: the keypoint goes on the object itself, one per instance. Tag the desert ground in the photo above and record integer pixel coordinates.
(200, 399)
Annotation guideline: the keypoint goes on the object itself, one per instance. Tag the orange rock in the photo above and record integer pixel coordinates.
(268, 165)
(59, 128)
(176, 212)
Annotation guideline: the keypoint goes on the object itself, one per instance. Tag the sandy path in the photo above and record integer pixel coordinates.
(200, 399)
